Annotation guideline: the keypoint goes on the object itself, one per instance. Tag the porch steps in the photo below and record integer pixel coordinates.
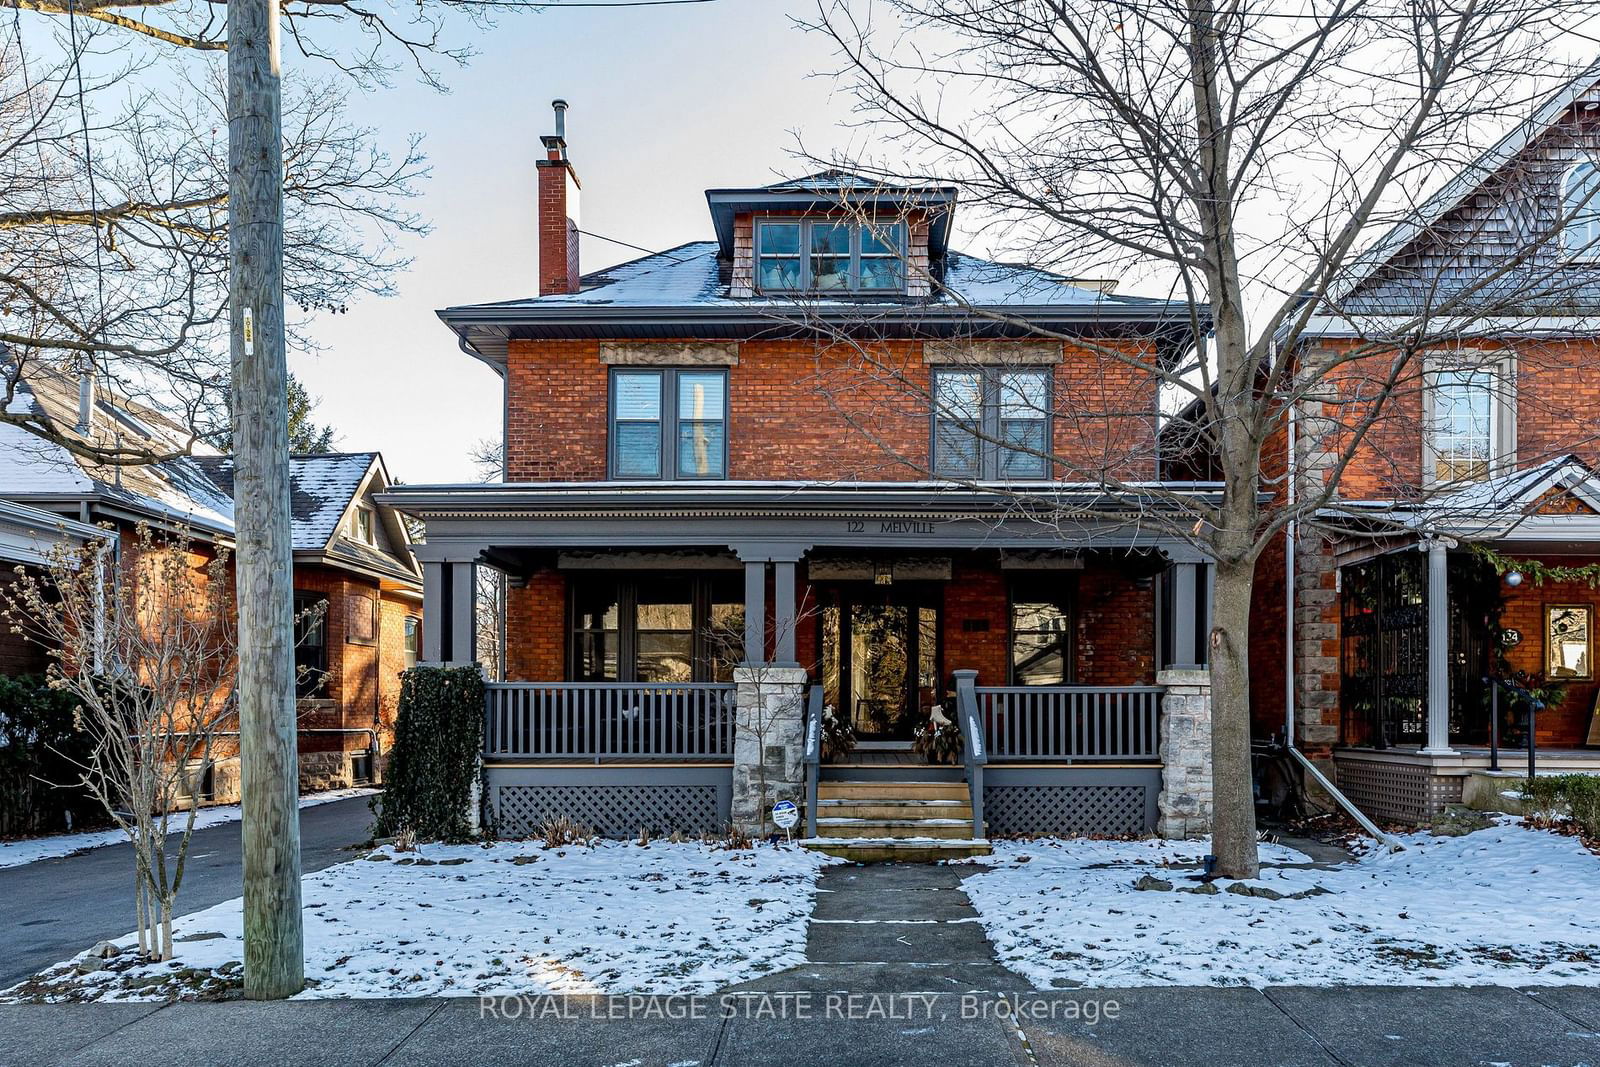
(880, 820)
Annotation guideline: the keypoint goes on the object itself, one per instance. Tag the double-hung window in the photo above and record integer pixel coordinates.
(1469, 416)
(669, 423)
(830, 256)
(991, 422)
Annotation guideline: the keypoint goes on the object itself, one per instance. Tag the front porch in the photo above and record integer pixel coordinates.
(665, 668)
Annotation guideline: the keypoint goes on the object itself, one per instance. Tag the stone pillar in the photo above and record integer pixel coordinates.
(1184, 806)
(769, 740)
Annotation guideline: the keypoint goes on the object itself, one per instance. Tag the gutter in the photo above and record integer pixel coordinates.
(1292, 535)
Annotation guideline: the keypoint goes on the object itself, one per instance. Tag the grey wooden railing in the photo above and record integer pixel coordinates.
(1071, 723)
(975, 753)
(609, 720)
(813, 757)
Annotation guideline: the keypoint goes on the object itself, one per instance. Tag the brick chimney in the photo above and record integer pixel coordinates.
(558, 211)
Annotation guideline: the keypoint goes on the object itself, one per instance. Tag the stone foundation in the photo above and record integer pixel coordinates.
(769, 738)
(1184, 806)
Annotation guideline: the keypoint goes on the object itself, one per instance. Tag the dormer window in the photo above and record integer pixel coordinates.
(830, 256)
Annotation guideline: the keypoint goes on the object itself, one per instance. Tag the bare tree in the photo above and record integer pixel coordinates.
(1236, 158)
(145, 641)
(113, 232)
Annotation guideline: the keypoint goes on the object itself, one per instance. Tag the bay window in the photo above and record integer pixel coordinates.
(991, 422)
(669, 423)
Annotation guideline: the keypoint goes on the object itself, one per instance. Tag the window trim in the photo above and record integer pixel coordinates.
(411, 641)
(805, 223)
(1502, 366)
(988, 440)
(370, 515)
(1064, 592)
(667, 467)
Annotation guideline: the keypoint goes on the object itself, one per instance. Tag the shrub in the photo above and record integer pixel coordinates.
(438, 739)
(564, 830)
(1576, 795)
(43, 749)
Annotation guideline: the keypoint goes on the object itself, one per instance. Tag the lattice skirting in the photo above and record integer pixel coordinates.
(1396, 792)
(1070, 808)
(616, 800)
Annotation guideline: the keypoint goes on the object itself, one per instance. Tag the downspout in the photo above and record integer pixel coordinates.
(1292, 540)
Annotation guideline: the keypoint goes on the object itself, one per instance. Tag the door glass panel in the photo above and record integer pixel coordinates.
(879, 663)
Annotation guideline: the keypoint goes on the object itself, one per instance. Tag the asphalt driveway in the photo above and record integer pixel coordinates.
(56, 908)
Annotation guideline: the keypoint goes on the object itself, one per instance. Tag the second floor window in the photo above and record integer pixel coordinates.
(1464, 424)
(826, 255)
(991, 422)
(1580, 209)
(669, 423)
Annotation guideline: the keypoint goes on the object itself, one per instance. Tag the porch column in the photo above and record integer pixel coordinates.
(463, 626)
(1438, 648)
(783, 615)
(1185, 651)
(433, 576)
(755, 612)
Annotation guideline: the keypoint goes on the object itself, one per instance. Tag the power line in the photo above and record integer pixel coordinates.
(636, 248)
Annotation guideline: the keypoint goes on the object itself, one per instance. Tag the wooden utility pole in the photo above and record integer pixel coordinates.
(274, 958)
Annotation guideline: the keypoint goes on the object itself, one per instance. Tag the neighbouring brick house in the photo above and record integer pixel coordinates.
(714, 504)
(1489, 439)
(349, 550)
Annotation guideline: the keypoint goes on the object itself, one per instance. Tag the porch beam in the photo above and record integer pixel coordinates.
(1438, 648)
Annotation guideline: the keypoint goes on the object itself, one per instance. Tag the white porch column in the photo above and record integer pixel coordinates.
(1438, 649)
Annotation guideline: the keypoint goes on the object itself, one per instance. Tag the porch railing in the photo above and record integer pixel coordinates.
(1071, 723)
(609, 720)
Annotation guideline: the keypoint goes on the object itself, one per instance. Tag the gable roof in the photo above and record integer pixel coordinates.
(320, 489)
(1462, 185)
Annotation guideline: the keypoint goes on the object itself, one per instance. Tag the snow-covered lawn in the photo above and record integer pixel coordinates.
(508, 918)
(33, 849)
(1503, 906)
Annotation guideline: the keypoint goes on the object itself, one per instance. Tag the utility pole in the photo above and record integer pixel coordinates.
(274, 957)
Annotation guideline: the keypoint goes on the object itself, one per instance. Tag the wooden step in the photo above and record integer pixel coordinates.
(895, 829)
(900, 851)
(893, 791)
(861, 808)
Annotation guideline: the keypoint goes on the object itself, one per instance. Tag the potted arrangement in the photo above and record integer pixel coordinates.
(939, 739)
(838, 735)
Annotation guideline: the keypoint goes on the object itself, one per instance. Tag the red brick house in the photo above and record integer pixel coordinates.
(713, 505)
(349, 550)
(1377, 634)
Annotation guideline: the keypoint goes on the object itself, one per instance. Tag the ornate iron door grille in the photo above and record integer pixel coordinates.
(1384, 651)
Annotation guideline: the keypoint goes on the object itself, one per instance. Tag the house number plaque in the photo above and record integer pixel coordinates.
(888, 527)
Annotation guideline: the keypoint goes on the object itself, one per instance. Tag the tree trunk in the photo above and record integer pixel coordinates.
(1233, 811)
(274, 964)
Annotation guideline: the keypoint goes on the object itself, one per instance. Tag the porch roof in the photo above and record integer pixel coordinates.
(795, 516)
(1513, 507)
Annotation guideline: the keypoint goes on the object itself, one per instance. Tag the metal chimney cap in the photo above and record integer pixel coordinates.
(559, 104)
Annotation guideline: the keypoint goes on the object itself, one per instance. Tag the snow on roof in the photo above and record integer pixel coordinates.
(320, 488)
(690, 276)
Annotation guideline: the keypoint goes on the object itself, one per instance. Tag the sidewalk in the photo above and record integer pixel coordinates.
(1178, 1027)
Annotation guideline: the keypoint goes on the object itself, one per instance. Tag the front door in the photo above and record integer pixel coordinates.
(880, 656)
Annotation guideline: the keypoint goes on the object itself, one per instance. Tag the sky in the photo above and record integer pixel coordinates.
(665, 102)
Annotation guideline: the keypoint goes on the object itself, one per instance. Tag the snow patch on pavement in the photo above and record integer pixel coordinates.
(33, 849)
(503, 919)
(1503, 906)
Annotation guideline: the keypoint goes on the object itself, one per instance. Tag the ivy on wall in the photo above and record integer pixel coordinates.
(1537, 572)
(438, 739)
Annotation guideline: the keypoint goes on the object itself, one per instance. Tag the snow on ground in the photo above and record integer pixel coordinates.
(1505, 906)
(501, 919)
(30, 850)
